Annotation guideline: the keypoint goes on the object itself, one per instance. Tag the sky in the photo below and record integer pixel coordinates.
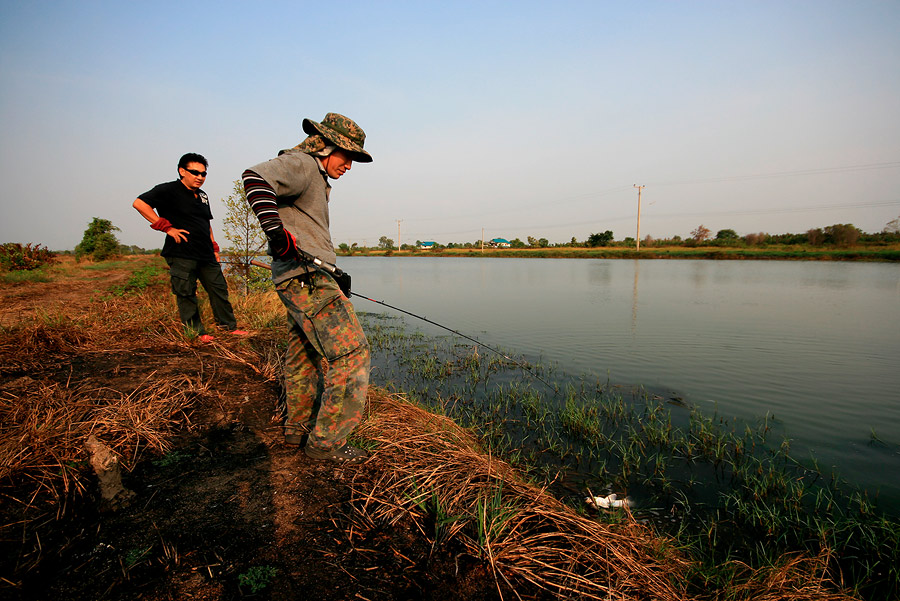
(501, 119)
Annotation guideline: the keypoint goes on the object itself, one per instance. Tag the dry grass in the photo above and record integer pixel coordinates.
(795, 578)
(430, 470)
(44, 423)
(427, 464)
(43, 428)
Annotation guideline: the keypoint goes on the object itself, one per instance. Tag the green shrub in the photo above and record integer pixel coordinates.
(15, 257)
(98, 242)
(257, 577)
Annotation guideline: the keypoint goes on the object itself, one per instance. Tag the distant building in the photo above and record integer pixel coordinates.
(499, 243)
(427, 244)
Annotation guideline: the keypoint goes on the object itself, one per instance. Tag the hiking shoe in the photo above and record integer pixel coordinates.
(295, 440)
(345, 454)
(205, 338)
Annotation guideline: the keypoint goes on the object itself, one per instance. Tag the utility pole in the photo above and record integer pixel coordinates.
(398, 233)
(482, 240)
(639, 188)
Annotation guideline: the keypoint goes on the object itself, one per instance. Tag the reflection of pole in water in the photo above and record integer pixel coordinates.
(634, 296)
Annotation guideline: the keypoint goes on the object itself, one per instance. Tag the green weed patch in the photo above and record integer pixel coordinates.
(139, 280)
(727, 491)
(18, 277)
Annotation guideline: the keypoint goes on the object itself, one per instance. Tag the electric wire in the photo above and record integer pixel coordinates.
(711, 180)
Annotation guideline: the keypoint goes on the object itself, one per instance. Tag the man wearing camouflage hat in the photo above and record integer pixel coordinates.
(289, 195)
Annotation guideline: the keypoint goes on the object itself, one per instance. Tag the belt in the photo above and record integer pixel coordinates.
(304, 279)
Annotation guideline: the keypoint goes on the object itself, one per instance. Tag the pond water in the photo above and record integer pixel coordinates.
(814, 345)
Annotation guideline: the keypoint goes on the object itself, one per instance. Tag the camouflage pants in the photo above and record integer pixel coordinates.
(323, 327)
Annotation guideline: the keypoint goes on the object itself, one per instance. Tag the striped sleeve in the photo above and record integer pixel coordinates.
(261, 197)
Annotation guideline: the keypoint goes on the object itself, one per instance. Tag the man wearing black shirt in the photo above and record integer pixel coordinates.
(181, 210)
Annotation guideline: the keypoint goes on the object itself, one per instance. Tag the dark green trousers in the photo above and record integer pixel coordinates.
(184, 274)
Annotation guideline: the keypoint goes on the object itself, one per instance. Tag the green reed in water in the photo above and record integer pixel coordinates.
(723, 489)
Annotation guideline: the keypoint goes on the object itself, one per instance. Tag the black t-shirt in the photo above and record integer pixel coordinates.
(184, 211)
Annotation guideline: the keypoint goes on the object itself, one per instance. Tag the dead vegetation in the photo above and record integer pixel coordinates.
(45, 420)
(432, 471)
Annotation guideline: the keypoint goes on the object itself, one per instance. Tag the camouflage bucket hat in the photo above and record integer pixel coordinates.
(343, 132)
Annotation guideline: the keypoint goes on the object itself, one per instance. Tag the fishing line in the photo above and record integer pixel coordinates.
(520, 364)
(329, 269)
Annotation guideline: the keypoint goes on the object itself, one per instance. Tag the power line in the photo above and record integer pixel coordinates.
(776, 174)
(725, 179)
(630, 217)
(884, 203)
(480, 215)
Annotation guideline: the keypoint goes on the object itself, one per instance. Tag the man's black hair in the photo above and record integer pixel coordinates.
(191, 157)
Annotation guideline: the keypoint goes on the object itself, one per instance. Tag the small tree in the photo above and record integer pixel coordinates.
(727, 235)
(756, 239)
(892, 227)
(700, 234)
(385, 243)
(600, 239)
(842, 234)
(246, 237)
(98, 241)
(815, 236)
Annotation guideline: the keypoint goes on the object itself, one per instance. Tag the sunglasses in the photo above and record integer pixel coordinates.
(197, 173)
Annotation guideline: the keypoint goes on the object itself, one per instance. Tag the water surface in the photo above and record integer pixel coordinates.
(814, 344)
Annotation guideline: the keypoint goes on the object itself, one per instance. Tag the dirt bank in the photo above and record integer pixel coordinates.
(218, 508)
(226, 512)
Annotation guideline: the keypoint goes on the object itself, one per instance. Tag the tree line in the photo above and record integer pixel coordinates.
(838, 234)
(247, 241)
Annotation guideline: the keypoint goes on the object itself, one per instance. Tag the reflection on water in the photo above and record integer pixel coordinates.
(813, 343)
(634, 301)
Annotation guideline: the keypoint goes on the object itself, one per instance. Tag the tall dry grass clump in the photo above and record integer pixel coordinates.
(259, 310)
(795, 578)
(430, 469)
(43, 429)
(44, 422)
(434, 472)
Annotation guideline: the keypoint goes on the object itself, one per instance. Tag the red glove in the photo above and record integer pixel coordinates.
(215, 246)
(161, 225)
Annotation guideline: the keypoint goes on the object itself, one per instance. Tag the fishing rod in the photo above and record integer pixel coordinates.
(520, 364)
(334, 270)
